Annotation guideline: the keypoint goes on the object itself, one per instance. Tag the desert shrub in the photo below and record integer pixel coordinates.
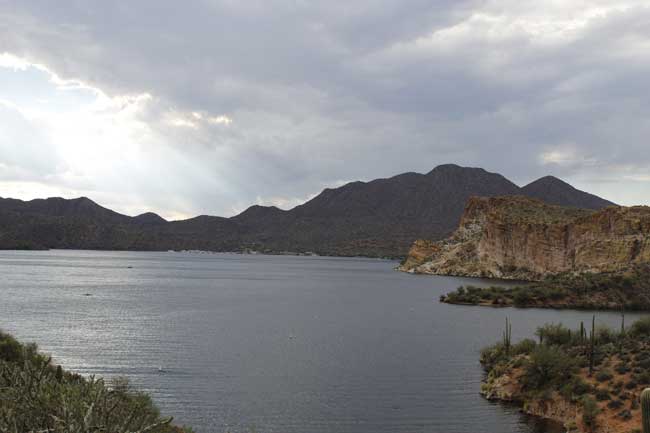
(522, 297)
(625, 414)
(643, 356)
(603, 376)
(622, 368)
(492, 355)
(554, 334)
(618, 386)
(615, 404)
(10, 349)
(580, 387)
(590, 411)
(547, 366)
(644, 363)
(606, 335)
(631, 384)
(643, 378)
(641, 328)
(524, 347)
(599, 356)
(602, 394)
(574, 388)
(607, 348)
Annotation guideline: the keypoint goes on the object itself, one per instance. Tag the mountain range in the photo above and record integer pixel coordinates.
(380, 218)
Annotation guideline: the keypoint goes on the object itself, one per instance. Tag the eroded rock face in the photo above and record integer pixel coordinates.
(523, 238)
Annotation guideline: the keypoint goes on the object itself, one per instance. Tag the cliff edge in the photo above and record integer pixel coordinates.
(526, 239)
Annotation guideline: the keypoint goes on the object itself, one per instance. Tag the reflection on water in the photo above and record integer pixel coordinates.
(274, 344)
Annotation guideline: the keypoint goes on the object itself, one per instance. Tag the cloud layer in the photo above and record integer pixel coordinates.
(210, 106)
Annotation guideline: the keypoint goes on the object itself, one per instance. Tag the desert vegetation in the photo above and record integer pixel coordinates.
(38, 396)
(589, 378)
(629, 290)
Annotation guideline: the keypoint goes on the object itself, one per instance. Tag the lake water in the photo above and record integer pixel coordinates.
(270, 343)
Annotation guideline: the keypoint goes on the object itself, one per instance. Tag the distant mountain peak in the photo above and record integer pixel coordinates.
(149, 218)
(446, 168)
(550, 180)
(556, 191)
(259, 211)
(459, 170)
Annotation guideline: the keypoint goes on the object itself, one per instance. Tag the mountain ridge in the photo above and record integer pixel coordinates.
(378, 218)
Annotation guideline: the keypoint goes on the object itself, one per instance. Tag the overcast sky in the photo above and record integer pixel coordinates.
(207, 107)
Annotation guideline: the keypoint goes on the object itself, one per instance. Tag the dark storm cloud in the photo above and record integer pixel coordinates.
(324, 92)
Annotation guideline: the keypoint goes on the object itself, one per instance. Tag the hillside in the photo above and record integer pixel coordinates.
(526, 239)
(588, 379)
(380, 218)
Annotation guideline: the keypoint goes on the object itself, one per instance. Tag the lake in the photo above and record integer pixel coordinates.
(243, 343)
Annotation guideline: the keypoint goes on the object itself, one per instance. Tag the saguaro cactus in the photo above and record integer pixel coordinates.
(592, 341)
(645, 410)
(507, 336)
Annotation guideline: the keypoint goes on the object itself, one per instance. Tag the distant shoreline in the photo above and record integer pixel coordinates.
(208, 252)
(623, 290)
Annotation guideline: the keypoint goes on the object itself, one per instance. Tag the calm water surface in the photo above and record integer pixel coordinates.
(270, 344)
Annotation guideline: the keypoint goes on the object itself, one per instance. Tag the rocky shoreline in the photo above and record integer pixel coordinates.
(504, 389)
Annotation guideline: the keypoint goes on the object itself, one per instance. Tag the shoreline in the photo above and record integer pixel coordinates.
(556, 410)
(240, 253)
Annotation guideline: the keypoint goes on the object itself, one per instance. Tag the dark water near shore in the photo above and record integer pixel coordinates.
(270, 344)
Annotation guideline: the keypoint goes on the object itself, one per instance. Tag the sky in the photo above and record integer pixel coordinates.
(210, 106)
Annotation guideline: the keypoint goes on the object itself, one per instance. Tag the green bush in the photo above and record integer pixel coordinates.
(522, 297)
(524, 347)
(10, 349)
(547, 366)
(575, 388)
(554, 334)
(641, 328)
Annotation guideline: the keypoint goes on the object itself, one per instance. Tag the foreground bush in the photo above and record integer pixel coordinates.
(36, 396)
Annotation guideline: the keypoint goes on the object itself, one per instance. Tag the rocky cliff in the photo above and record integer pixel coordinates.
(523, 238)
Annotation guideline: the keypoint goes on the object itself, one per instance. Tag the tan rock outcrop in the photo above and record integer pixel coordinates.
(523, 238)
